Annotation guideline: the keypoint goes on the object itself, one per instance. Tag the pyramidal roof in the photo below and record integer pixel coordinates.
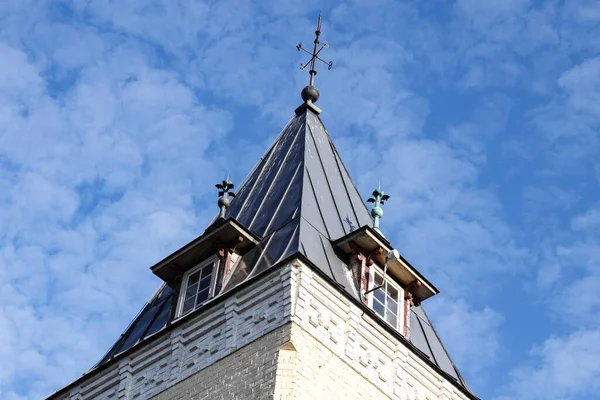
(297, 200)
(301, 194)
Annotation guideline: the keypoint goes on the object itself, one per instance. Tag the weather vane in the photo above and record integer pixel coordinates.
(224, 191)
(314, 55)
(379, 197)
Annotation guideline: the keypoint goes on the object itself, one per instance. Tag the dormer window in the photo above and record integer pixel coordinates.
(387, 299)
(197, 286)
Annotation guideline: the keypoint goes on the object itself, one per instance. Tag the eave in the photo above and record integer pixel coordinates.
(368, 240)
(220, 234)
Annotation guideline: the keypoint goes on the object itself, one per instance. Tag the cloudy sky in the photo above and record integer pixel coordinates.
(480, 118)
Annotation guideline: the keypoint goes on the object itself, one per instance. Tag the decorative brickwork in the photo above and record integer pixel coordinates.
(288, 335)
(248, 373)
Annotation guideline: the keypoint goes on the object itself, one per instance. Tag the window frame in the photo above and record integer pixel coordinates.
(184, 284)
(389, 280)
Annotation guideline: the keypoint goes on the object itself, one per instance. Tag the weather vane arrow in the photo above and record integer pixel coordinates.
(314, 55)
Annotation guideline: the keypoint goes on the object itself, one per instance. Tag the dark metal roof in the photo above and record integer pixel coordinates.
(426, 339)
(298, 199)
(152, 318)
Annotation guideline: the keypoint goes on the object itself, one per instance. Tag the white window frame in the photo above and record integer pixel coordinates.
(184, 283)
(390, 281)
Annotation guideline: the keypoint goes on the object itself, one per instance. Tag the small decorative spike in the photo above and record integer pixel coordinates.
(224, 194)
(379, 197)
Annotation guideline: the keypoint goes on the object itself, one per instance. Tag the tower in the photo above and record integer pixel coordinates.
(292, 292)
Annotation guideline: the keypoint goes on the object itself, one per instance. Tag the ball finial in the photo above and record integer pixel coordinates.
(310, 93)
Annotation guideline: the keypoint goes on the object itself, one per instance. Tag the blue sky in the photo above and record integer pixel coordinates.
(480, 118)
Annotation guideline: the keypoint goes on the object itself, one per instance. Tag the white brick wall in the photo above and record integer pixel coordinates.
(335, 350)
(248, 373)
(361, 351)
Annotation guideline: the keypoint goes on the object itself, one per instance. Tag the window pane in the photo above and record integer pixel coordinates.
(378, 302)
(392, 291)
(204, 283)
(378, 294)
(392, 305)
(392, 311)
(379, 308)
(194, 278)
(187, 306)
(197, 289)
(392, 319)
(207, 270)
(387, 301)
(191, 291)
(378, 279)
(202, 296)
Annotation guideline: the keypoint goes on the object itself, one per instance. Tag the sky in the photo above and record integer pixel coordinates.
(480, 118)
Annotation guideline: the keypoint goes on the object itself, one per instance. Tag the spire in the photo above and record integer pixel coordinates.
(310, 94)
(298, 202)
(302, 175)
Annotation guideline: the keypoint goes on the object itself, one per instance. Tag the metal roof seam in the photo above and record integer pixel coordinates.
(267, 153)
(290, 243)
(260, 166)
(345, 169)
(145, 333)
(300, 166)
(329, 264)
(427, 341)
(446, 351)
(312, 136)
(287, 154)
(344, 182)
(312, 189)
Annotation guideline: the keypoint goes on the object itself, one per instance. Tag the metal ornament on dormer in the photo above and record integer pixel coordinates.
(224, 193)
(379, 197)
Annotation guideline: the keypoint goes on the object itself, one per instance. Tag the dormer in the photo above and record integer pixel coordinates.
(200, 270)
(386, 281)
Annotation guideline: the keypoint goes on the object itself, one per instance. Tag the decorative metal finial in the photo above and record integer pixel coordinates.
(310, 92)
(224, 191)
(377, 212)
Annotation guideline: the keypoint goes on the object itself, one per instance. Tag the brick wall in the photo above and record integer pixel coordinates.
(321, 313)
(248, 373)
(289, 335)
(321, 374)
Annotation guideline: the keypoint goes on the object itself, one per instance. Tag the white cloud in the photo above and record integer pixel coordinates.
(577, 273)
(562, 368)
(566, 366)
(471, 336)
(111, 134)
(100, 179)
(587, 221)
(582, 85)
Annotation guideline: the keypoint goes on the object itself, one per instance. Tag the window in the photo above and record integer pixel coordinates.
(387, 300)
(197, 286)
